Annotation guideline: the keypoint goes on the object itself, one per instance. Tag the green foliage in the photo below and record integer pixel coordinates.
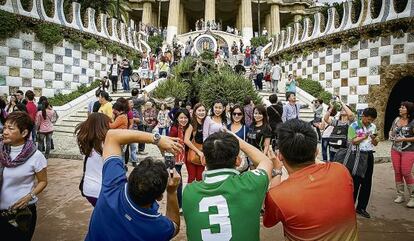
(311, 86)
(9, 24)
(136, 60)
(325, 96)
(339, 9)
(227, 86)
(115, 49)
(207, 55)
(90, 44)
(315, 89)
(61, 99)
(155, 42)
(48, 33)
(172, 87)
(257, 41)
(185, 65)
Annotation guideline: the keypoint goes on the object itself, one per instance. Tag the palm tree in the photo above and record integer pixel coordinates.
(109, 7)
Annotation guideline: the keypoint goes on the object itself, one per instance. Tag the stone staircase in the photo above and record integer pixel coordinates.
(66, 125)
(305, 114)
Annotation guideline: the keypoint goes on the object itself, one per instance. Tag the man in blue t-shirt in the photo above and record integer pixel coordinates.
(127, 209)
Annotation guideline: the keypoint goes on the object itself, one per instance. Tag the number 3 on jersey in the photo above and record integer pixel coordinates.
(221, 218)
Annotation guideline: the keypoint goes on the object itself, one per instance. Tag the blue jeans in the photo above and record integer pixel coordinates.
(324, 145)
(125, 82)
(41, 142)
(133, 152)
(246, 61)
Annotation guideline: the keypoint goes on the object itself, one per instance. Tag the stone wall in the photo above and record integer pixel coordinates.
(26, 63)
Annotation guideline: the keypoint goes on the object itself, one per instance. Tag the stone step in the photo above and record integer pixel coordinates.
(64, 129)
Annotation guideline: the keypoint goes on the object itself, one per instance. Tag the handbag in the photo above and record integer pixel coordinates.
(242, 158)
(192, 156)
(353, 159)
(19, 218)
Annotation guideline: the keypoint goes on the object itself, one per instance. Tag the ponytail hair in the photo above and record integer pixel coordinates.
(45, 105)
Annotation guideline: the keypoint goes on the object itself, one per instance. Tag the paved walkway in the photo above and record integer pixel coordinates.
(63, 214)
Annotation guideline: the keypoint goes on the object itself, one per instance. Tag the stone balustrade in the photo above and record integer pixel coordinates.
(282, 41)
(128, 34)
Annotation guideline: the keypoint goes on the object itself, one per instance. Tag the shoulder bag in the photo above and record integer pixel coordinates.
(242, 158)
(192, 156)
(353, 159)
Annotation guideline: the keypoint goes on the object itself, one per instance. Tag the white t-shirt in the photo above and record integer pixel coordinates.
(19, 181)
(114, 70)
(93, 175)
(276, 72)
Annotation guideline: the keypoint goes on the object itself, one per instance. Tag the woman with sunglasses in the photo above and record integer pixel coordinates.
(239, 128)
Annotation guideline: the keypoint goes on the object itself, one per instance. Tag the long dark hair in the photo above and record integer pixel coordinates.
(45, 105)
(194, 122)
(410, 110)
(186, 113)
(262, 110)
(223, 114)
(11, 102)
(91, 133)
(237, 106)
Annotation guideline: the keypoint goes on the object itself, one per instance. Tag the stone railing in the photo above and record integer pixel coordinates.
(303, 32)
(127, 36)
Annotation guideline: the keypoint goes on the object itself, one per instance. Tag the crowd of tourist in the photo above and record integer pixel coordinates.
(234, 154)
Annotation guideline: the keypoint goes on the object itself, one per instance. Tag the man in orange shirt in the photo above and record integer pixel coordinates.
(316, 201)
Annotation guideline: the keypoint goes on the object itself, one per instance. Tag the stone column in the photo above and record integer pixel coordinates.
(274, 19)
(181, 19)
(247, 22)
(210, 10)
(268, 23)
(297, 18)
(173, 13)
(154, 19)
(238, 19)
(147, 13)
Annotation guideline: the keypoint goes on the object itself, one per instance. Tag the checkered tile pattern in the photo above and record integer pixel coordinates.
(349, 72)
(28, 64)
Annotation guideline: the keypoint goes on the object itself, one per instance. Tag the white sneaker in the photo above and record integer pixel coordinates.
(399, 199)
(410, 203)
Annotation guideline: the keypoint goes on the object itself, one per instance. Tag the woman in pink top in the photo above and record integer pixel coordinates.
(44, 122)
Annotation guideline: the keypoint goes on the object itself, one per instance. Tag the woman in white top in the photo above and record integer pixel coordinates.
(217, 121)
(90, 137)
(20, 165)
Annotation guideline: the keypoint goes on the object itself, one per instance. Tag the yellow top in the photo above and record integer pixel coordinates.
(106, 109)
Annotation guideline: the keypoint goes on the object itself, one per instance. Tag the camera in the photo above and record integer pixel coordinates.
(169, 160)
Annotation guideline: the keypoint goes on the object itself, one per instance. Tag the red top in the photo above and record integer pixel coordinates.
(314, 203)
(31, 109)
(181, 157)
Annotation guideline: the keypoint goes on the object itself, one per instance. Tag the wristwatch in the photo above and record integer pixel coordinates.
(156, 138)
(276, 172)
(33, 196)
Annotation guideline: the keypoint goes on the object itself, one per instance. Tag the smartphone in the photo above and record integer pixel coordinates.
(169, 162)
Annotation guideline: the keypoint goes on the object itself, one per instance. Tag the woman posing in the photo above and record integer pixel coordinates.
(260, 133)
(23, 176)
(90, 136)
(178, 128)
(217, 121)
(402, 152)
(44, 123)
(163, 120)
(238, 127)
(12, 104)
(194, 140)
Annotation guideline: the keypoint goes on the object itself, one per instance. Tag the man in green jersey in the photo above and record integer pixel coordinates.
(226, 204)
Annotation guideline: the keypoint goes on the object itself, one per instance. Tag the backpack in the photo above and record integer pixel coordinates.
(339, 135)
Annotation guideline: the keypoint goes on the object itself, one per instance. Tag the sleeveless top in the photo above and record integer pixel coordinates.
(406, 131)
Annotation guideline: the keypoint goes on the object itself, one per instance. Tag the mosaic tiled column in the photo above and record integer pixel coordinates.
(173, 13)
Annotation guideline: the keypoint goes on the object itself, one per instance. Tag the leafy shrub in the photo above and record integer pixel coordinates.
(115, 49)
(172, 87)
(90, 44)
(155, 42)
(326, 96)
(207, 55)
(257, 41)
(228, 86)
(61, 99)
(49, 33)
(311, 86)
(9, 24)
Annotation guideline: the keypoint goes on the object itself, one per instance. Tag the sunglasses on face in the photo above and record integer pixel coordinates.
(237, 114)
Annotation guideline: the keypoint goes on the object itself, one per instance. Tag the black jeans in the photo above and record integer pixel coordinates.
(180, 187)
(10, 232)
(114, 80)
(363, 185)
